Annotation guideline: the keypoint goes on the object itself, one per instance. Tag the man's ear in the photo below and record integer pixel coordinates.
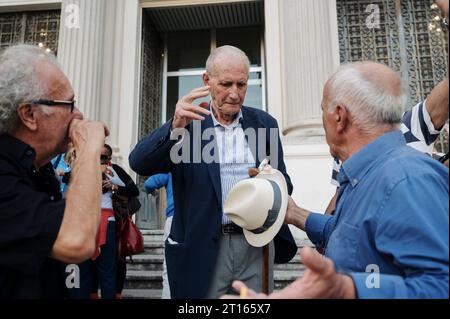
(27, 116)
(206, 79)
(341, 118)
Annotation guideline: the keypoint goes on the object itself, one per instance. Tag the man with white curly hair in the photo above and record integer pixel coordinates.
(38, 229)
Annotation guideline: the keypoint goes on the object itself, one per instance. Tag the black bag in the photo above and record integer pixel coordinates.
(133, 205)
(124, 206)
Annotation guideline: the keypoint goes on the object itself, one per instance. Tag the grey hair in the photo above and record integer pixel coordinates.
(368, 103)
(18, 80)
(226, 49)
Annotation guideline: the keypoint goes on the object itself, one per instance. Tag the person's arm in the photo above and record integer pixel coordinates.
(155, 182)
(152, 154)
(443, 5)
(76, 238)
(437, 104)
(317, 226)
(130, 189)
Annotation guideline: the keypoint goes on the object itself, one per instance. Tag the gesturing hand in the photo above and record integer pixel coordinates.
(186, 112)
(320, 281)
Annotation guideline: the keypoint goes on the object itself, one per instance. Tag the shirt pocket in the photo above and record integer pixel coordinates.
(342, 247)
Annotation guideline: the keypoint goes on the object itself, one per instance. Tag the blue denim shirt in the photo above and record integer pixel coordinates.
(392, 215)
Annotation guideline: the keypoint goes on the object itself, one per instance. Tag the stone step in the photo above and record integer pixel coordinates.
(153, 235)
(282, 278)
(146, 262)
(154, 248)
(152, 232)
(142, 293)
(153, 238)
(142, 279)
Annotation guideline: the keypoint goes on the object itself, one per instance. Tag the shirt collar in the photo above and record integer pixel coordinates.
(17, 150)
(357, 165)
(236, 122)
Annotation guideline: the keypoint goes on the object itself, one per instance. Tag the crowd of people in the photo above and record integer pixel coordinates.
(58, 184)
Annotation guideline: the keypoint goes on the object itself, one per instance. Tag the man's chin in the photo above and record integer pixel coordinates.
(231, 109)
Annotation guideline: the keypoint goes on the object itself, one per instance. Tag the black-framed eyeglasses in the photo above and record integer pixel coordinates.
(56, 103)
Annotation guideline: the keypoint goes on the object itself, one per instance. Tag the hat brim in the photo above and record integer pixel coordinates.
(259, 240)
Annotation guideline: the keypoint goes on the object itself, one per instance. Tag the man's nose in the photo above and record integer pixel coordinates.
(233, 93)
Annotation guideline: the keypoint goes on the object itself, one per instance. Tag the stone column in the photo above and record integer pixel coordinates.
(81, 49)
(310, 54)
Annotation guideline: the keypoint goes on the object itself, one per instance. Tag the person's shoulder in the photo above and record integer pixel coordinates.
(7, 166)
(259, 114)
(408, 163)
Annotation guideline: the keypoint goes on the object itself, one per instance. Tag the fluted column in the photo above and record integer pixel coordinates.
(310, 54)
(80, 51)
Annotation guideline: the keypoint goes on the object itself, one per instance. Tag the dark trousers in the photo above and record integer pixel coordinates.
(120, 277)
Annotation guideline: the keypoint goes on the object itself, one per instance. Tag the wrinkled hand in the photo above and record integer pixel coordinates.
(186, 112)
(443, 5)
(87, 134)
(320, 281)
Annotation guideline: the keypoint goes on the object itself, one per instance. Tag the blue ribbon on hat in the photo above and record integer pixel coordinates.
(272, 213)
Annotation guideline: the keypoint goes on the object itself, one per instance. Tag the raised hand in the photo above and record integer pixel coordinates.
(186, 112)
(85, 133)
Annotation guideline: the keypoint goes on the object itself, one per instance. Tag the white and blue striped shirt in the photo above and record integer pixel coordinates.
(418, 131)
(235, 156)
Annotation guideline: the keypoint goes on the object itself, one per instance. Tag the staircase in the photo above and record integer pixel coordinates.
(144, 273)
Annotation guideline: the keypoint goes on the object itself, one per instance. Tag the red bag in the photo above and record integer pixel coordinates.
(131, 241)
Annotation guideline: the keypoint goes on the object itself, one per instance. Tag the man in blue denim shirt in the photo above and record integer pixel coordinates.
(389, 235)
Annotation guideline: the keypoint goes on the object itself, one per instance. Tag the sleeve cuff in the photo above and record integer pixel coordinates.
(378, 286)
(177, 135)
(315, 227)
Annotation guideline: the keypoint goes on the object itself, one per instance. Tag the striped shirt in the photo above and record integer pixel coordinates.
(418, 131)
(235, 156)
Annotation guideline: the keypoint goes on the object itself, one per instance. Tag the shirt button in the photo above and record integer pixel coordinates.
(355, 181)
(29, 152)
(52, 198)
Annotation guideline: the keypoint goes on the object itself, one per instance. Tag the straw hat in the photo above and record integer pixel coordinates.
(258, 205)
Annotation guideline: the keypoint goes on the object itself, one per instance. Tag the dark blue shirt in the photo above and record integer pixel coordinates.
(392, 215)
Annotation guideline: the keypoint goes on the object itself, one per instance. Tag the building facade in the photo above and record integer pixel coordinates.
(130, 60)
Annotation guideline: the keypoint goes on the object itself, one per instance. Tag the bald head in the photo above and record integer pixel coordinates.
(226, 55)
(372, 93)
(380, 76)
